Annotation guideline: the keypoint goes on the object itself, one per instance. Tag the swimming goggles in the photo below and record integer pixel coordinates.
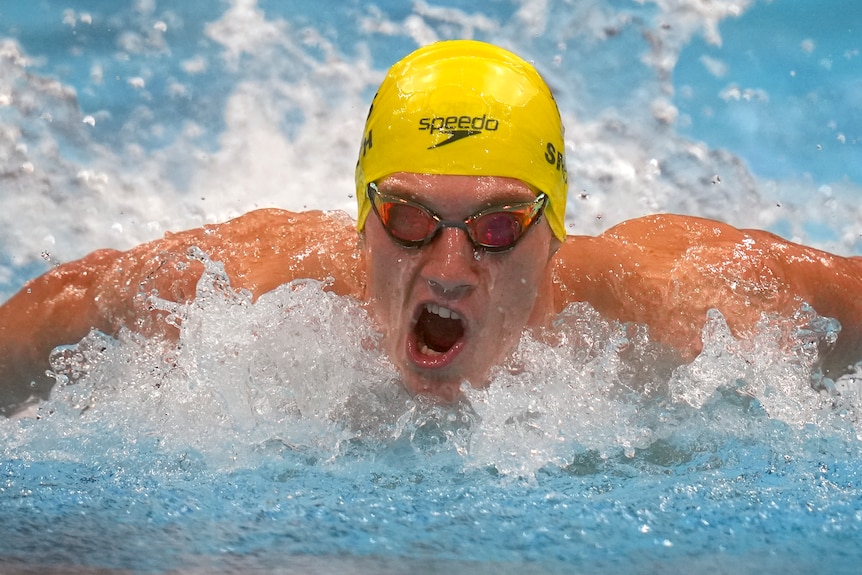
(496, 229)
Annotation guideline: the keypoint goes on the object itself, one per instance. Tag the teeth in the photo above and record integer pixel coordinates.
(428, 351)
(441, 311)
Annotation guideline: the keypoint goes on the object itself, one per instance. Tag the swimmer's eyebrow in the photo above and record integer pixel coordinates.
(408, 193)
(509, 193)
(396, 188)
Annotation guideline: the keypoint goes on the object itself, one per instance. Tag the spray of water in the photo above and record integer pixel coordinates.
(300, 370)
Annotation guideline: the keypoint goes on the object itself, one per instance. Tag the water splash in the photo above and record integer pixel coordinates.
(777, 366)
(300, 369)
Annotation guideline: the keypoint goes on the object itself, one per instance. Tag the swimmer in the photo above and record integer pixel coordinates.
(461, 246)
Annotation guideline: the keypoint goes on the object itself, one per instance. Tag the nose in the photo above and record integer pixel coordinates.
(450, 268)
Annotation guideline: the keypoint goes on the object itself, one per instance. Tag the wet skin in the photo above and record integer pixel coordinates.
(486, 300)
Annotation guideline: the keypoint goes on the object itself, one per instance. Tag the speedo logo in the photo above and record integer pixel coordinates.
(457, 127)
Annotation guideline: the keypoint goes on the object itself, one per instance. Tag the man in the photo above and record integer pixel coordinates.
(461, 184)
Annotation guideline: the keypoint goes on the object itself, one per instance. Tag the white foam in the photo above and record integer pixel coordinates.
(300, 369)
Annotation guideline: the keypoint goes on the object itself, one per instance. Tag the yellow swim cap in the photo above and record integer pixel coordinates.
(465, 108)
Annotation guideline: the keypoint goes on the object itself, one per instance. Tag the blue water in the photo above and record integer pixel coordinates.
(271, 440)
(737, 506)
(808, 68)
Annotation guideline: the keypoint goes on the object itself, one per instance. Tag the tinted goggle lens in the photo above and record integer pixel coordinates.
(496, 229)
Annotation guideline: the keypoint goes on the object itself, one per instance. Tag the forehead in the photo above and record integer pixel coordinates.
(457, 193)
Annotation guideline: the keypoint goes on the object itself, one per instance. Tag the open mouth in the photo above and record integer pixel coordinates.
(437, 332)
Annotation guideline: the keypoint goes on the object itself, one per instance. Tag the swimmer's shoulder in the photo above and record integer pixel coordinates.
(266, 222)
(268, 247)
(672, 233)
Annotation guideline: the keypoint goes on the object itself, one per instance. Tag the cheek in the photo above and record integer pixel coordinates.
(519, 281)
(526, 269)
(512, 294)
(388, 269)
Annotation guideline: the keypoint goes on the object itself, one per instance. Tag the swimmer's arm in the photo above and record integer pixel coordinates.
(260, 250)
(58, 307)
(831, 284)
(666, 271)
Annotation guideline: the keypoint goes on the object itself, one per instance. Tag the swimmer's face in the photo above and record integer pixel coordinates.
(449, 311)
